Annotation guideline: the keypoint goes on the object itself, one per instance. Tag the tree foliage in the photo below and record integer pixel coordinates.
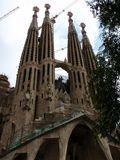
(107, 75)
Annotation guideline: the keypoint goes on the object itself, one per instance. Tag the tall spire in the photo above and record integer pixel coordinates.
(26, 84)
(88, 54)
(47, 71)
(34, 23)
(30, 51)
(71, 25)
(77, 75)
(74, 48)
(46, 44)
(47, 18)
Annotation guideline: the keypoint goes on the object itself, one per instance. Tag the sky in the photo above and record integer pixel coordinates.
(13, 29)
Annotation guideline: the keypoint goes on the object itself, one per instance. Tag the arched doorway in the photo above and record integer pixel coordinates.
(83, 145)
(49, 150)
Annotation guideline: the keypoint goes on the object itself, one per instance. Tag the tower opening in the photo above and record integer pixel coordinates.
(61, 80)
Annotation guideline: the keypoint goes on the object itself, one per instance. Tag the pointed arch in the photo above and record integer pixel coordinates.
(49, 150)
(83, 145)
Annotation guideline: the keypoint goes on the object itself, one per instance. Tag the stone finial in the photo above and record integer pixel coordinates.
(70, 14)
(47, 6)
(35, 9)
(83, 26)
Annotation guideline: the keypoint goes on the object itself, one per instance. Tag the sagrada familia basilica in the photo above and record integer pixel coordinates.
(41, 119)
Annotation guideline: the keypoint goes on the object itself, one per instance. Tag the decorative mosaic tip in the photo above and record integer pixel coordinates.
(47, 6)
(83, 26)
(70, 14)
(35, 9)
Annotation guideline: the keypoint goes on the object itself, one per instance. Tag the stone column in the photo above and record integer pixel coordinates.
(105, 147)
(63, 143)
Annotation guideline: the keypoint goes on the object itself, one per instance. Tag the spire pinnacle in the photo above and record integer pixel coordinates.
(82, 25)
(88, 54)
(47, 6)
(35, 9)
(34, 23)
(47, 19)
(70, 14)
(71, 25)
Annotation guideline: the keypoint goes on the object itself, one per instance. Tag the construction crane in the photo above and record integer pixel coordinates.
(54, 17)
(61, 49)
(10, 12)
(64, 9)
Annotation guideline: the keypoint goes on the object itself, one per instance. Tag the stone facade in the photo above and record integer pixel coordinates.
(41, 121)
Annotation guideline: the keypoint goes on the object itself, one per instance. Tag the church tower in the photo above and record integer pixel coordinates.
(46, 74)
(89, 58)
(36, 74)
(39, 121)
(78, 87)
(24, 102)
(88, 54)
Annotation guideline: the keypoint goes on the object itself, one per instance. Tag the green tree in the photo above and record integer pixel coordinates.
(107, 75)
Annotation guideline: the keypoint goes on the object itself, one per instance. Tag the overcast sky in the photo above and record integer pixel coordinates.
(13, 28)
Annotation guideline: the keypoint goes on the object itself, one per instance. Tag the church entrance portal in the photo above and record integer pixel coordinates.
(49, 150)
(82, 145)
